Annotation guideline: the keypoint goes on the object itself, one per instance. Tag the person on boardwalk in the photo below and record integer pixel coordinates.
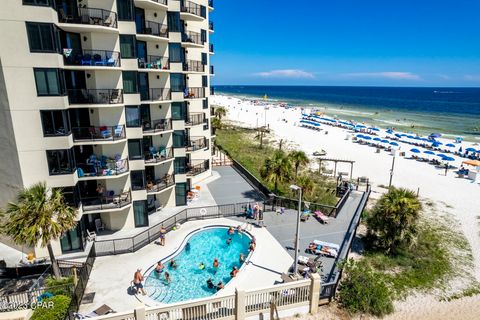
(137, 281)
(163, 232)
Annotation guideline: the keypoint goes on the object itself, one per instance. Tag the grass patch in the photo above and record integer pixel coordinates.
(243, 145)
(437, 256)
(471, 291)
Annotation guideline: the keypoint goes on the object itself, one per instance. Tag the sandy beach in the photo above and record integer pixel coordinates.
(460, 196)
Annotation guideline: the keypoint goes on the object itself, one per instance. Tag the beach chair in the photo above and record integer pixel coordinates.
(100, 311)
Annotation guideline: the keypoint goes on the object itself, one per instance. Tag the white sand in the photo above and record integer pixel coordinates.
(461, 196)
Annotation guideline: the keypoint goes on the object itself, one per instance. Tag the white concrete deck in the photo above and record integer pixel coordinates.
(111, 275)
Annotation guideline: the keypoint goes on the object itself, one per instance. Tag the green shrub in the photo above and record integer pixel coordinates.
(62, 286)
(54, 308)
(364, 290)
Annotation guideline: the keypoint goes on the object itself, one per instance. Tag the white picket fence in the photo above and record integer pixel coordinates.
(242, 304)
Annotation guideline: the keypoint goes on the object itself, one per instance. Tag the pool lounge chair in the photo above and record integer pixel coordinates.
(321, 217)
(323, 248)
(103, 310)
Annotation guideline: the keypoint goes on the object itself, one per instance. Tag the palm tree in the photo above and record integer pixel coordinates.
(39, 216)
(220, 112)
(299, 158)
(216, 123)
(306, 183)
(277, 169)
(393, 219)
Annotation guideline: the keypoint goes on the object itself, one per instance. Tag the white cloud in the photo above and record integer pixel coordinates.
(386, 75)
(472, 77)
(286, 73)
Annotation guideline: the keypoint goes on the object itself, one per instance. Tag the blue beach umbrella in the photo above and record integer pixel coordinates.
(435, 135)
(374, 129)
(450, 145)
(429, 152)
(414, 150)
(389, 131)
(384, 141)
(377, 139)
(441, 155)
(360, 126)
(470, 150)
(367, 138)
(393, 143)
(447, 158)
(398, 135)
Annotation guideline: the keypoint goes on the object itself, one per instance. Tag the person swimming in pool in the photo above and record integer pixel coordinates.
(219, 286)
(229, 240)
(210, 284)
(187, 247)
(234, 272)
(242, 258)
(159, 267)
(167, 277)
(216, 263)
(173, 264)
(231, 231)
(201, 266)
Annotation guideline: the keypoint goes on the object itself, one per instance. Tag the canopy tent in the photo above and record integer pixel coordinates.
(475, 163)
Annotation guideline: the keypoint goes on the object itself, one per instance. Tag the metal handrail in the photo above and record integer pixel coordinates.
(194, 65)
(193, 8)
(91, 58)
(95, 96)
(101, 133)
(156, 94)
(194, 93)
(198, 168)
(163, 183)
(161, 154)
(86, 15)
(192, 37)
(196, 143)
(155, 29)
(151, 126)
(102, 168)
(195, 118)
(154, 62)
(106, 202)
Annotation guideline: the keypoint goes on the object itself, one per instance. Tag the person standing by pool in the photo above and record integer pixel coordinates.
(242, 258)
(210, 284)
(137, 281)
(167, 277)
(163, 232)
(234, 272)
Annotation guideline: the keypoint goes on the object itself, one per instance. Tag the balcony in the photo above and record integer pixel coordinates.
(95, 96)
(152, 28)
(210, 27)
(194, 66)
(91, 58)
(210, 4)
(196, 143)
(156, 126)
(210, 48)
(157, 185)
(195, 118)
(196, 169)
(98, 134)
(152, 4)
(192, 11)
(156, 94)
(88, 20)
(212, 71)
(158, 155)
(194, 93)
(102, 166)
(108, 202)
(154, 63)
(192, 39)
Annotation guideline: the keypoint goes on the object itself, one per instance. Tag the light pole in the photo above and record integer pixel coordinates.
(391, 172)
(297, 235)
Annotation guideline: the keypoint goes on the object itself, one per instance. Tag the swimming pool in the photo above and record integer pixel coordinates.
(188, 280)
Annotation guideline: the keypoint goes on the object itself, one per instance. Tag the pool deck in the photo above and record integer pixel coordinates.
(111, 275)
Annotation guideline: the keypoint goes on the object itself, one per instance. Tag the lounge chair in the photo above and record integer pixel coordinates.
(321, 217)
(100, 311)
(323, 248)
(286, 278)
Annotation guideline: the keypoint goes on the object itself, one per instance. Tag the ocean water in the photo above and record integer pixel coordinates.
(451, 111)
(188, 280)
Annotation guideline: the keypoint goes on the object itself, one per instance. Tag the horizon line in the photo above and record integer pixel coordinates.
(348, 86)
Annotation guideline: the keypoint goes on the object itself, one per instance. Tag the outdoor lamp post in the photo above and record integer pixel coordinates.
(297, 235)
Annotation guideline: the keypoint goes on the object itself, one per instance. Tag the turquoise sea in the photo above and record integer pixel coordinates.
(450, 111)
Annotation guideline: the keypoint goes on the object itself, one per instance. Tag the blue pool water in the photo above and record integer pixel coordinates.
(188, 280)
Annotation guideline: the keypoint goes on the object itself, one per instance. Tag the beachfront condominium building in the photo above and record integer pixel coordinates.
(108, 100)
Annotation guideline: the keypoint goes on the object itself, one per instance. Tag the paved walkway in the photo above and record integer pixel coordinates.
(231, 187)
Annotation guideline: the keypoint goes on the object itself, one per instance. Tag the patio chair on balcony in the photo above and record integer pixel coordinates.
(110, 61)
(99, 225)
(109, 21)
(65, 17)
(118, 131)
(121, 199)
(98, 61)
(105, 132)
(163, 152)
(87, 60)
(115, 96)
(154, 152)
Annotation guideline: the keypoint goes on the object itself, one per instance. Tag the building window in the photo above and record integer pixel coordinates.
(43, 37)
(203, 36)
(43, 3)
(179, 111)
(60, 162)
(140, 213)
(125, 10)
(55, 123)
(204, 81)
(49, 82)
(181, 194)
(179, 139)
(132, 116)
(205, 103)
(130, 82)
(127, 46)
(173, 21)
(135, 149)
(177, 82)
(180, 165)
(176, 53)
(137, 179)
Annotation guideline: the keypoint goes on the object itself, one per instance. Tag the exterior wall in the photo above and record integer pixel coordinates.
(21, 134)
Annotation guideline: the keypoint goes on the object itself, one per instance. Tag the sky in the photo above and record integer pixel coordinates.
(347, 42)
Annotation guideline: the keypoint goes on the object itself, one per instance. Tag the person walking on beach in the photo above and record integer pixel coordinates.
(137, 281)
(163, 232)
